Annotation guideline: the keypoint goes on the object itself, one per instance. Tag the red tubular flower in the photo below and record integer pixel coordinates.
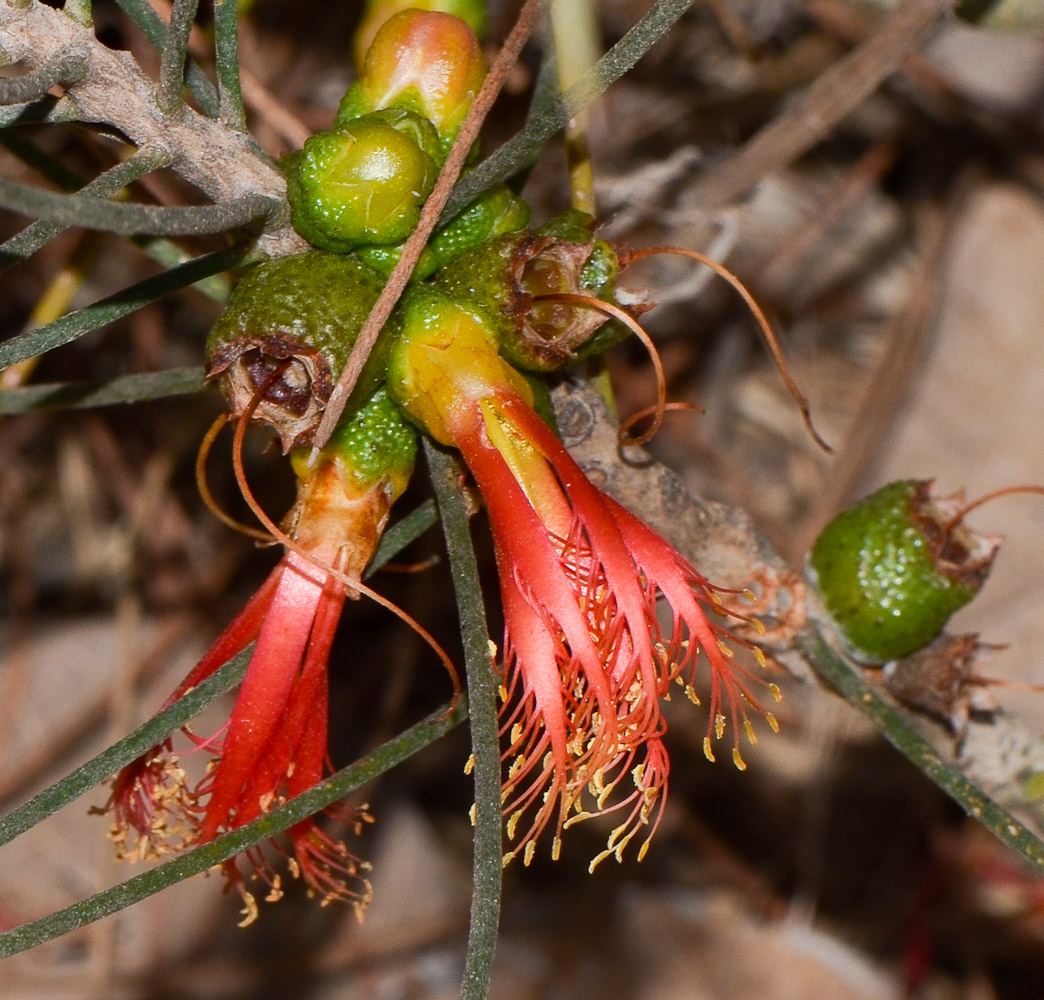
(274, 745)
(585, 658)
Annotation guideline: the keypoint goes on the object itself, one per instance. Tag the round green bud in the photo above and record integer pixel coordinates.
(361, 184)
(426, 62)
(287, 331)
(495, 212)
(894, 567)
(471, 12)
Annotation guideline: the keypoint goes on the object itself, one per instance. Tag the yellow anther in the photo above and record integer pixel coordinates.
(249, 910)
(512, 823)
(775, 692)
(469, 765)
(752, 737)
(771, 720)
(597, 860)
(719, 726)
(707, 751)
(738, 760)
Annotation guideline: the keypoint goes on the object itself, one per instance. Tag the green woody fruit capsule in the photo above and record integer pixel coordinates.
(303, 312)
(424, 62)
(362, 184)
(507, 277)
(892, 569)
(472, 12)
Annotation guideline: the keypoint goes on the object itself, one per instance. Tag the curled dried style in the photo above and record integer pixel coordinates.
(631, 257)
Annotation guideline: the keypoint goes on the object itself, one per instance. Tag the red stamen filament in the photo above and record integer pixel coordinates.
(355, 586)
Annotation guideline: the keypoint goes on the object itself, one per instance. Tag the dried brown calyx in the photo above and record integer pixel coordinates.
(963, 555)
(528, 284)
(285, 335)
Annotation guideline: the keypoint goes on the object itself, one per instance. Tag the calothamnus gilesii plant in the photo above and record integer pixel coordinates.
(386, 292)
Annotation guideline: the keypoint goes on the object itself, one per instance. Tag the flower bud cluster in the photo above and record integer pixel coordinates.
(362, 184)
(356, 193)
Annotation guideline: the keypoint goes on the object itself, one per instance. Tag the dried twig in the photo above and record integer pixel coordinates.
(826, 102)
(116, 92)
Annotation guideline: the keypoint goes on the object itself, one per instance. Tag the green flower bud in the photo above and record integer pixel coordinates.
(425, 62)
(305, 311)
(472, 12)
(507, 277)
(441, 335)
(892, 569)
(494, 213)
(361, 184)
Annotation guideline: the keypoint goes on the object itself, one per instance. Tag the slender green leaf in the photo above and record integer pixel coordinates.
(128, 220)
(170, 97)
(518, 152)
(81, 395)
(487, 865)
(226, 62)
(39, 233)
(62, 331)
(48, 110)
(206, 856)
(869, 700)
(152, 26)
(161, 250)
(110, 760)
(61, 69)
(217, 287)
